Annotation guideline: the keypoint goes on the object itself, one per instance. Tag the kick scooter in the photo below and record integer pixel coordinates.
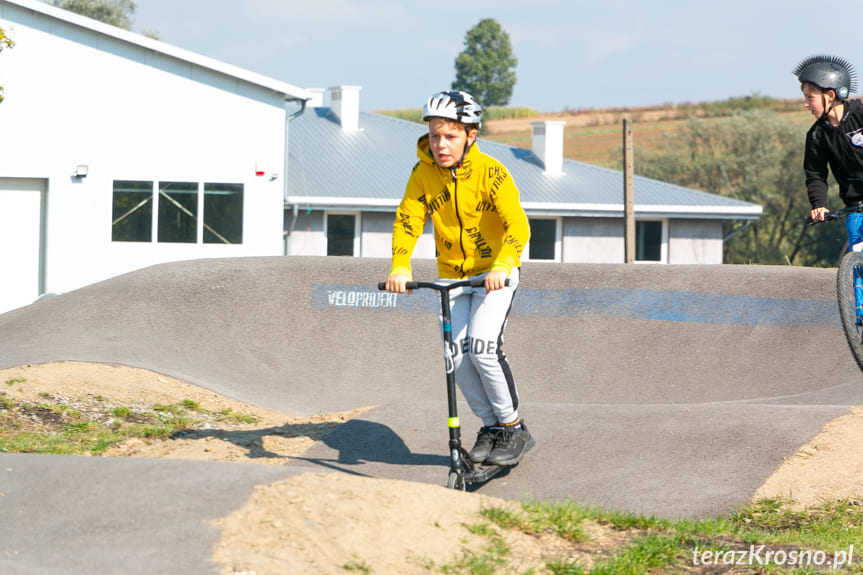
(462, 471)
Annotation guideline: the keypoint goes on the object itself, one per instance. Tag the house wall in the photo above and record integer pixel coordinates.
(306, 237)
(74, 96)
(584, 240)
(695, 242)
(590, 240)
(377, 235)
(377, 238)
(593, 240)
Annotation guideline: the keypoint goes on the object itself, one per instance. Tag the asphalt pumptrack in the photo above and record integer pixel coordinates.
(666, 390)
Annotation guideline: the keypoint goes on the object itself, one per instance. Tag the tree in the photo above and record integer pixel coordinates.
(486, 66)
(755, 156)
(114, 12)
(5, 42)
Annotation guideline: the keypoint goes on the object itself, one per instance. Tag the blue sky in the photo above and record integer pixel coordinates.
(572, 54)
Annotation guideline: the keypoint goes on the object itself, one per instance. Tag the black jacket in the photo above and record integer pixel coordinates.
(841, 148)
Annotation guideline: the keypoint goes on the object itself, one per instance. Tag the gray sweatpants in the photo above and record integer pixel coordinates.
(481, 369)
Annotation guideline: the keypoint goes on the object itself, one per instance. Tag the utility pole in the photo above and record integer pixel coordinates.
(628, 201)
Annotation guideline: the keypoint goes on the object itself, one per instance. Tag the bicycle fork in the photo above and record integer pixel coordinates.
(858, 294)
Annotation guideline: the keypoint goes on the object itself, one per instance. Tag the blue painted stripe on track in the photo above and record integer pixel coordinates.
(610, 303)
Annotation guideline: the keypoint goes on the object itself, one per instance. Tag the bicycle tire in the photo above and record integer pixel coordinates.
(845, 297)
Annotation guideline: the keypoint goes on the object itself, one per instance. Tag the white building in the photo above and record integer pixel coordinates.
(119, 152)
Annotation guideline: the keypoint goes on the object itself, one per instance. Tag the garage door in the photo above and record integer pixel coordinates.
(21, 208)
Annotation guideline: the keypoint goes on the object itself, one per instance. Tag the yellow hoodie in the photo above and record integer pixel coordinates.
(478, 220)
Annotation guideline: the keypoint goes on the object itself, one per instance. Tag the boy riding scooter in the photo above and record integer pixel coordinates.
(480, 231)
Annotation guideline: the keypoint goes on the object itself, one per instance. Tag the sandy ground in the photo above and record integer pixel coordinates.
(332, 522)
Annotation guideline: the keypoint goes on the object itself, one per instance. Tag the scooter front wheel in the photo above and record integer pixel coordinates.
(456, 481)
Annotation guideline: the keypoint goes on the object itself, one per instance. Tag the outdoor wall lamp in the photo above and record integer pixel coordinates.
(80, 171)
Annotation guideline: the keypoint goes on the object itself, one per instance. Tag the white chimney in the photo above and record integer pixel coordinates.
(345, 104)
(317, 99)
(547, 144)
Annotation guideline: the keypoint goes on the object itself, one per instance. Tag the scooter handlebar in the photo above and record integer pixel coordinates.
(472, 282)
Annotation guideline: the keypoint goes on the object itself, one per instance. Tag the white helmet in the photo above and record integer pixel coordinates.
(455, 105)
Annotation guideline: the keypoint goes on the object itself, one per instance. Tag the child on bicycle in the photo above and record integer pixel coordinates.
(835, 140)
(480, 230)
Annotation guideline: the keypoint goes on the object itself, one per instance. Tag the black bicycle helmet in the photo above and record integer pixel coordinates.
(828, 73)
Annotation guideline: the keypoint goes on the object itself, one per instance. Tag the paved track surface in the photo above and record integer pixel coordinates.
(668, 390)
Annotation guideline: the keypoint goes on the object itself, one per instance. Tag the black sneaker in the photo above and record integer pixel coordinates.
(510, 445)
(484, 443)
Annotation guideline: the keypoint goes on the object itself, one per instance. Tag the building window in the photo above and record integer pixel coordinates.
(648, 241)
(179, 212)
(178, 208)
(223, 213)
(132, 212)
(341, 231)
(543, 239)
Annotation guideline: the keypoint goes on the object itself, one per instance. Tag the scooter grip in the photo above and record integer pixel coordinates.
(408, 285)
(480, 281)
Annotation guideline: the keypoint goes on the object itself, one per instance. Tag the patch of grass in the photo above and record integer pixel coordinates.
(644, 555)
(563, 519)
(356, 564)
(172, 409)
(833, 525)
(76, 439)
(488, 561)
(15, 380)
(122, 412)
(50, 427)
(231, 415)
(779, 538)
(190, 405)
(150, 431)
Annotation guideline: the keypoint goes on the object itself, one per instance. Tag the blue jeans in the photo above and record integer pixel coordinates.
(854, 227)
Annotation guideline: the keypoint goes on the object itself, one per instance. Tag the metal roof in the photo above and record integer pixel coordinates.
(289, 91)
(368, 169)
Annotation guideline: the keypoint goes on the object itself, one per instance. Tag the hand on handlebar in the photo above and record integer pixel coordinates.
(818, 214)
(396, 283)
(495, 280)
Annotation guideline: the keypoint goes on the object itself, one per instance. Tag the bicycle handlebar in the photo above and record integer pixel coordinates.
(472, 282)
(835, 214)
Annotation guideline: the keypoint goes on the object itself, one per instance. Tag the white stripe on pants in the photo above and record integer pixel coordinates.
(478, 322)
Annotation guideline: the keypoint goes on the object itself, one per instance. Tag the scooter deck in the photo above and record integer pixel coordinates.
(478, 472)
(482, 473)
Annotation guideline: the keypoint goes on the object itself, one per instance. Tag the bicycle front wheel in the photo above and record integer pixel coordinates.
(849, 292)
